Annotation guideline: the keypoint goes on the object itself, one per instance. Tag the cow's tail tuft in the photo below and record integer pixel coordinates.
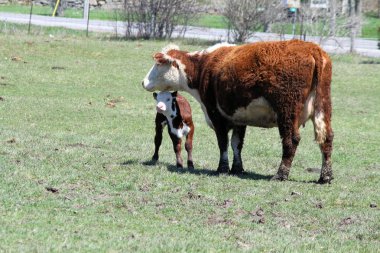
(321, 84)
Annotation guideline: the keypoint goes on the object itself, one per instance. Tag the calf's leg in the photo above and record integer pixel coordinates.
(237, 140)
(177, 149)
(160, 119)
(189, 148)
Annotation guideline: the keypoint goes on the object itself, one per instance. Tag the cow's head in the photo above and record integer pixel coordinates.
(165, 102)
(166, 74)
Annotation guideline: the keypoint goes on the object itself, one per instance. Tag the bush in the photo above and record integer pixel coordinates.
(157, 18)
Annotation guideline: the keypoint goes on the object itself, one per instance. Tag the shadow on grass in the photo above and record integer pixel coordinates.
(205, 171)
(209, 172)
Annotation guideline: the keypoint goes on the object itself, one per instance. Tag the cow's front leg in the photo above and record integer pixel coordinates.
(222, 136)
(177, 149)
(237, 140)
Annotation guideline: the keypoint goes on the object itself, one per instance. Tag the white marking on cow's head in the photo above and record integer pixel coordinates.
(165, 103)
(166, 74)
(169, 47)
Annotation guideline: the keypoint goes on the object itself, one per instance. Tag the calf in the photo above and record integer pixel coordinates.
(174, 110)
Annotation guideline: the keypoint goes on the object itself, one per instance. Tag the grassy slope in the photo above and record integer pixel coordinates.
(57, 131)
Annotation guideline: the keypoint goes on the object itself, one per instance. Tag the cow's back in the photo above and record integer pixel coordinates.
(268, 71)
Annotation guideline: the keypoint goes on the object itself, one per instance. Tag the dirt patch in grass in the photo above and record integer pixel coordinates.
(218, 220)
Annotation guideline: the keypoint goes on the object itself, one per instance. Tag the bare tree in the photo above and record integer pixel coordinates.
(157, 18)
(354, 12)
(246, 16)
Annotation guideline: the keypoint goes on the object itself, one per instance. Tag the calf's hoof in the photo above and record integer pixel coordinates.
(223, 169)
(151, 162)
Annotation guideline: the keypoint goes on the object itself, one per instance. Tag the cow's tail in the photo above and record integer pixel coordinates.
(322, 103)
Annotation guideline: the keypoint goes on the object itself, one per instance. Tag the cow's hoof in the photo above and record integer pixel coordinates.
(223, 169)
(236, 170)
(179, 166)
(325, 180)
(278, 177)
(190, 165)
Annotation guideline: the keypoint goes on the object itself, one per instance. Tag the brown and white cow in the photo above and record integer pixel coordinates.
(174, 111)
(265, 84)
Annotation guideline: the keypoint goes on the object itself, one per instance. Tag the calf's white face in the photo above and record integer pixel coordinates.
(164, 103)
(166, 74)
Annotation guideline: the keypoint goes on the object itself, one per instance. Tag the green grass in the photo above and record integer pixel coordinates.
(48, 11)
(210, 21)
(371, 27)
(58, 130)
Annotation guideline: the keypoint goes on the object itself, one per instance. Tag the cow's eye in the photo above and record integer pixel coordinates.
(168, 99)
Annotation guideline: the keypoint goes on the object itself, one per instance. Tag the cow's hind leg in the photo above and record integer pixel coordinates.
(324, 137)
(237, 140)
(189, 148)
(288, 127)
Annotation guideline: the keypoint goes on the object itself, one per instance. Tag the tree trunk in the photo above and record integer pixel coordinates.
(355, 21)
(378, 8)
(332, 17)
(358, 16)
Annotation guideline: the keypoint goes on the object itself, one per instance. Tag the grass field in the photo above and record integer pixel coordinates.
(76, 129)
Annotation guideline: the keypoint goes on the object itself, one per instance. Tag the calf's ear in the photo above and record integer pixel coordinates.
(155, 95)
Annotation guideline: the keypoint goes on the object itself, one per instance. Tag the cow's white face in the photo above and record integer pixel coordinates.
(165, 103)
(166, 74)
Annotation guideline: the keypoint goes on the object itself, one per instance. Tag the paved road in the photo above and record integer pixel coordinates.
(336, 45)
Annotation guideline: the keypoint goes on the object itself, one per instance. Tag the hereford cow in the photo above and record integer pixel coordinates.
(266, 84)
(174, 110)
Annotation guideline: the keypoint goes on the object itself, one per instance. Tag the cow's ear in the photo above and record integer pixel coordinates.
(175, 64)
(155, 95)
(174, 94)
(160, 58)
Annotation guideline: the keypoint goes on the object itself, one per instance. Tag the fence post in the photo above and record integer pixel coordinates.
(86, 14)
(30, 16)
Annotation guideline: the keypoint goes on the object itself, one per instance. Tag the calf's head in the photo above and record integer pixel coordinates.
(166, 103)
(166, 74)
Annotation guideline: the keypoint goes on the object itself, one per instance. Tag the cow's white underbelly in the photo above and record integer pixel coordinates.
(258, 113)
(261, 114)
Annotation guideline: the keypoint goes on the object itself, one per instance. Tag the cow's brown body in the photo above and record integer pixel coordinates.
(263, 84)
